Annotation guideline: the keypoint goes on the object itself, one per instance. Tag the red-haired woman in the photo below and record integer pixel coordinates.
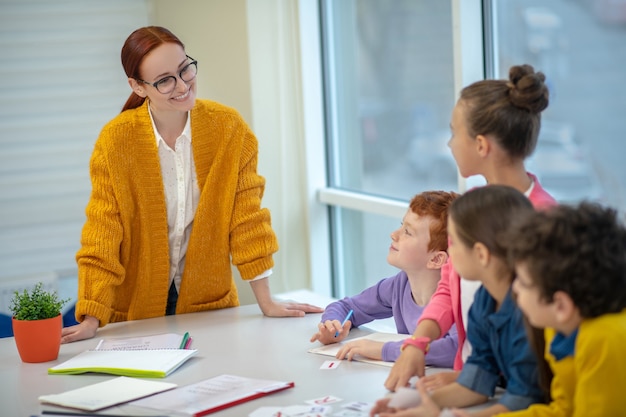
(175, 197)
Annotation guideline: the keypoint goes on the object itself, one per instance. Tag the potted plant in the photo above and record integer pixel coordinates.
(37, 323)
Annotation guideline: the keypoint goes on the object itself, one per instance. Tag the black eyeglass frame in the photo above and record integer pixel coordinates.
(156, 83)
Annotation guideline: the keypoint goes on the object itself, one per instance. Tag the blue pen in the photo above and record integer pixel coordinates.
(345, 320)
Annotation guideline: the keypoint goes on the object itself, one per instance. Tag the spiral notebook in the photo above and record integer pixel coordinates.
(154, 341)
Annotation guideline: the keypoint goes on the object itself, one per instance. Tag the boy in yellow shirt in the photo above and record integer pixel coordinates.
(571, 280)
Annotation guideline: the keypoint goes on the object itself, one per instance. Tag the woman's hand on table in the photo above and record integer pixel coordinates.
(84, 330)
(288, 309)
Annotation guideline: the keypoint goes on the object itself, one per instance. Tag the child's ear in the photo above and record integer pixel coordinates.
(483, 145)
(437, 260)
(564, 307)
(482, 253)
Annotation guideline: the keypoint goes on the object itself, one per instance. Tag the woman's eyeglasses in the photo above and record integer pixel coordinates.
(167, 84)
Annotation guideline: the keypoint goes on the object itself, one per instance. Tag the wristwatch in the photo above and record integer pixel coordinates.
(422, 343)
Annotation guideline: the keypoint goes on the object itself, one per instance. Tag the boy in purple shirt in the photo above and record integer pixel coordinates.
(419, 249)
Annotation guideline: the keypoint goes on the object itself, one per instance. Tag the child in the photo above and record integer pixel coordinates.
(495, 125)
(418, 248)
(477, 221)
(571, 274)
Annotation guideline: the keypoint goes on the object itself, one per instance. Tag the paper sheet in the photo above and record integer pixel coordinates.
(212, 394)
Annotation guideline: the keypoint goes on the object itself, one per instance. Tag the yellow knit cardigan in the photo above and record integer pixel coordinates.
(123, 264)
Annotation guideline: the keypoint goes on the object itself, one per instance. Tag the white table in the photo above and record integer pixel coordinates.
(238, 341)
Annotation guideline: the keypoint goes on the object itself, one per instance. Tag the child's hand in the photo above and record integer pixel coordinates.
(328, 329)
(410, 363)
(382, 407)
(427, 407)
(367, 348)
(438, 380)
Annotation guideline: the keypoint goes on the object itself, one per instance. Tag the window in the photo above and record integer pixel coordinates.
(389, 79)
(581, 48)
(389, 92)
(391, 75)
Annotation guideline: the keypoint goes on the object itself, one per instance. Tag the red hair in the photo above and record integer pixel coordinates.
(139, 44)
(435, 204)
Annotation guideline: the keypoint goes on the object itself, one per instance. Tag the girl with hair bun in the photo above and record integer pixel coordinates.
(494, 125)
(502, 119)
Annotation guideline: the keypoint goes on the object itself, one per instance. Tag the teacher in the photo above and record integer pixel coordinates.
(176, 198)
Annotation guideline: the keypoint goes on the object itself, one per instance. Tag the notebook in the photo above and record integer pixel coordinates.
(211, 395)
(157, 363)
(106, 394)
(332, 349)
(155, 341)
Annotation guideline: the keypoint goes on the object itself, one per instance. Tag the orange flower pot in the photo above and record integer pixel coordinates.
(38, 340)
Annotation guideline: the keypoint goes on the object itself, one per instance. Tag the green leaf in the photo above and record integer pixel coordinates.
(36, 304)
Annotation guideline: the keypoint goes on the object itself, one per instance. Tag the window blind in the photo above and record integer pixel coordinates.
(61, 80)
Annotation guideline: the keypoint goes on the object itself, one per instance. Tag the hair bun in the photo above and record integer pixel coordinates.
(528, 89)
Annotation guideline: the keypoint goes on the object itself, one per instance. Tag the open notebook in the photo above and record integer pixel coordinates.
(332, 349)
(156, 363)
